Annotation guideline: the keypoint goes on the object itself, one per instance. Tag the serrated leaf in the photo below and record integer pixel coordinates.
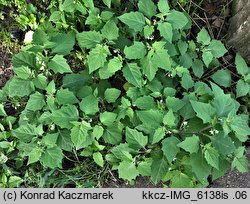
(110, 30)
(59, 65)
(22, 72)
(169, 119)
(97, 156)
(52, 158)
(207, 57)
(108, 118)
(135, 139)
(134, 20)
(190, 144)
(151, 118)
(187, 81)
(111, 68)
(89, 105)
(239, 125)
(35, 102)
(217, 48)
(74, 81)
(144, 167)
(203, 37)
(98, 132)
(197, 68)
(163, 6)
(203, 110)
(64, 97)
(25, 132)
(64, 140)
(223, 144)
(64, 116)
(132, 74)
(170, 148)
(112, 94)
(166, 31)
(79, 134)
(159, 169)
(97, 57)
(161, 58)
(181, 180)
(24, 59)
(177, 19)
(50, 140)
(242, 88)
(149, 67)
(212, 157)
(34, 155)
(127, 171)
(174, 103)
(88, 39)
(241, 65)
(2, 111)
(107, 3)
(113, 134)
(122, 152)
(241, 164)
(145, 102)
(222, 77)
(147, 7)
(135, 51)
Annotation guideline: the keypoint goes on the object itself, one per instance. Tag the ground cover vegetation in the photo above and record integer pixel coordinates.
(122, 88)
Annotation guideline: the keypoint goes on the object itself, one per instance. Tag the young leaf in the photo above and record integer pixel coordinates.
(170, 148)
(133, 74)
(107, 3)
(127, 170)
(134, 20)
(217, 48)
(166, 31)
(212, 157)
(190, 144)
(163, 6)
(88, 39)
(242, 88)
(112, 94)
(241, 164)
(59, 65)
(169, 119)
(52, 158)
(136, 51)
(111, 68)
(203, 37)
(147, 7)
(144, 167)
(207, 57)
(97, 156)
(34, 155)
(135, 139)
(97, 57)
(89, 105)
(159, 134)
(149, 67)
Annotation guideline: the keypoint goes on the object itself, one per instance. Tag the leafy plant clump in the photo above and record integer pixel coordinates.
(122, 84)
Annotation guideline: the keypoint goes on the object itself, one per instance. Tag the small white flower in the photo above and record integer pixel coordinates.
(185, 123)
(28, 37)
(216, 131)
(211, 132)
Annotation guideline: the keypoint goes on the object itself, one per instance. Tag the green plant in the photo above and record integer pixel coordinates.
(143, 99)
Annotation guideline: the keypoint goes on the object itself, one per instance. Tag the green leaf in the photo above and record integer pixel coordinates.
(50, 140)
(127, 171)
(133, 74)
(239, 125)
(217, 48)
(207, 57)
(74, 81)
(108, 118)
(98, 132)
(147, 7)
(135, 139)
(110, 31)
(161, 58)
(89, 105)
(148, 31)
(52, 158)
(68, 6)
(181, 180)
(204, 111)
(159, 134)
(149, 67)
(35, 102)
(40, 82)
(151, 118)
(134, 20)
(145, 102)
(22, 72)
(25, 132)
(200, 167)
(107, 3)
(121, 152)
(64, 116)
(144, 167)
(64, 140)
(198, 68)
(212, 157)
(241, 65)
(170, 148)
(51, 88)
(135, 51)
(222, 77)
(241, 164)
(163, 6)
(34, 155)
(79, 134)
(166, 31)
(112, 94)
(187, 81)
(18, 87)
(190, 144)
(223, 144)
(64, 97)
(97, 57)
(242, 88)
(159, 169)
(113, 134)
(177, 19)
(14, 182)
(203, 37)
(169, 119)
(174, 103)
(2, 111)
(111, 68)
(24, 59)
(89, 39)
(59, 65)
(97, 156)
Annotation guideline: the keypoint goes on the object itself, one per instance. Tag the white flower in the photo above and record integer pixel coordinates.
(28, 37)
